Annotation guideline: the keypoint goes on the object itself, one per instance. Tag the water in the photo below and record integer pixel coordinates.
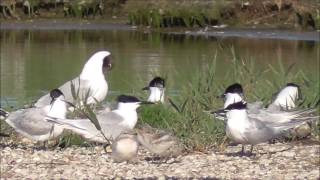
(34, 61)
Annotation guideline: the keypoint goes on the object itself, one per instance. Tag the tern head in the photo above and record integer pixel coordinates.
(233, 94)
(128, 102)
(58, 105)
(156, 82)
(237, 106)
(156, 88)
(287, 96)
(96, 65)
(55, 94)
(236, 111)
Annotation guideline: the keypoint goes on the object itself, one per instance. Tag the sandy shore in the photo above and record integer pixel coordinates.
(272, 161)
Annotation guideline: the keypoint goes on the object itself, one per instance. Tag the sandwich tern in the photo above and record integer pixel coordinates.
(91, 80)
(112, 123)
(234, 93)
(156, 87)
(244, 129)
(284, 99)
(31, 122)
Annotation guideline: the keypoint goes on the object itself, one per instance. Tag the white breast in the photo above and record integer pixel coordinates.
(236, 125)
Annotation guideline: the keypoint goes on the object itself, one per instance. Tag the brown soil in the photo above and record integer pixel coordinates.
(268, 13)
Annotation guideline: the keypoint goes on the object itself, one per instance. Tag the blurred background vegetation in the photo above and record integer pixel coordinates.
(173, 13)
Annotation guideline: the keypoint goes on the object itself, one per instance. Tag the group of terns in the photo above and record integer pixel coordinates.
(246, 123)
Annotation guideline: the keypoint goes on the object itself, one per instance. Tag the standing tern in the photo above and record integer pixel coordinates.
(284, 99)
(243, 129)
(112, 123)
(290, 93)
(91, 80)
(31, 122)
(156, 88)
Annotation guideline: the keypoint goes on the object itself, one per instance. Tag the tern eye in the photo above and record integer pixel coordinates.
(107, 62)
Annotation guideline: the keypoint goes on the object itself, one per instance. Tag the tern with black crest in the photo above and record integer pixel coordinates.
(243, 129)
(112, 123)
(31, 122)
(274, 112)
(156, 88)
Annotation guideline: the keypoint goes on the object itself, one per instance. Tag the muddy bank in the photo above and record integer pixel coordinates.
(257, 33)
(63, 25)
(172, 13)
(207, 32)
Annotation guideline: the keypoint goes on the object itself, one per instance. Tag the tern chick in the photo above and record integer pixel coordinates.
(125, 146)
(159, 142)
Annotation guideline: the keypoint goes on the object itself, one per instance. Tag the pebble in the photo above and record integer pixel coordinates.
(270, 161)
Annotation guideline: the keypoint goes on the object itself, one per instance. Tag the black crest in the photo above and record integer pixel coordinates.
(127, 99)
(234, 88)
(239, 106)
(55, 93)
(293, 85)
(297, 86)
(157, 82)
(107, 62)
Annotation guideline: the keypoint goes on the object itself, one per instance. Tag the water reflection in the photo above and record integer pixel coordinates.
(33, 62)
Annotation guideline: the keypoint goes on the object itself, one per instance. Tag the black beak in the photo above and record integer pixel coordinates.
(146, 88)
(220, 111)
(52, 100)
(299, 94)
(221, 96)
(146, 102)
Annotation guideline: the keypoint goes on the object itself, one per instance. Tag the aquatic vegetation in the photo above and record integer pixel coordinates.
(185, 115)
(173, 14)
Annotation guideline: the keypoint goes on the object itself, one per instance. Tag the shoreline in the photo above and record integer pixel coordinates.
(259, 33)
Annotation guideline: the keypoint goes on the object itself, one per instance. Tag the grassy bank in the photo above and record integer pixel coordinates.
(173, 13)
(180, 13)
(184, 114)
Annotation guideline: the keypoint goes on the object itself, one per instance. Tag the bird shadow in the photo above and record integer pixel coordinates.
(161, 160)
(254, 155)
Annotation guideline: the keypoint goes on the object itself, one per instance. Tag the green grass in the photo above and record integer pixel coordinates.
(165, 13)
(184, 114)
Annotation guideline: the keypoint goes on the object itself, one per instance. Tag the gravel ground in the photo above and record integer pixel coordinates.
(297, 160)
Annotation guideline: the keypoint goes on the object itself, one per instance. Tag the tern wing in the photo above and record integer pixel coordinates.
(254, 107)
(258, 132)
(112, 124)
(30, 122)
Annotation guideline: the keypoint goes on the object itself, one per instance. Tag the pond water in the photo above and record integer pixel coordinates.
(35, 61)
